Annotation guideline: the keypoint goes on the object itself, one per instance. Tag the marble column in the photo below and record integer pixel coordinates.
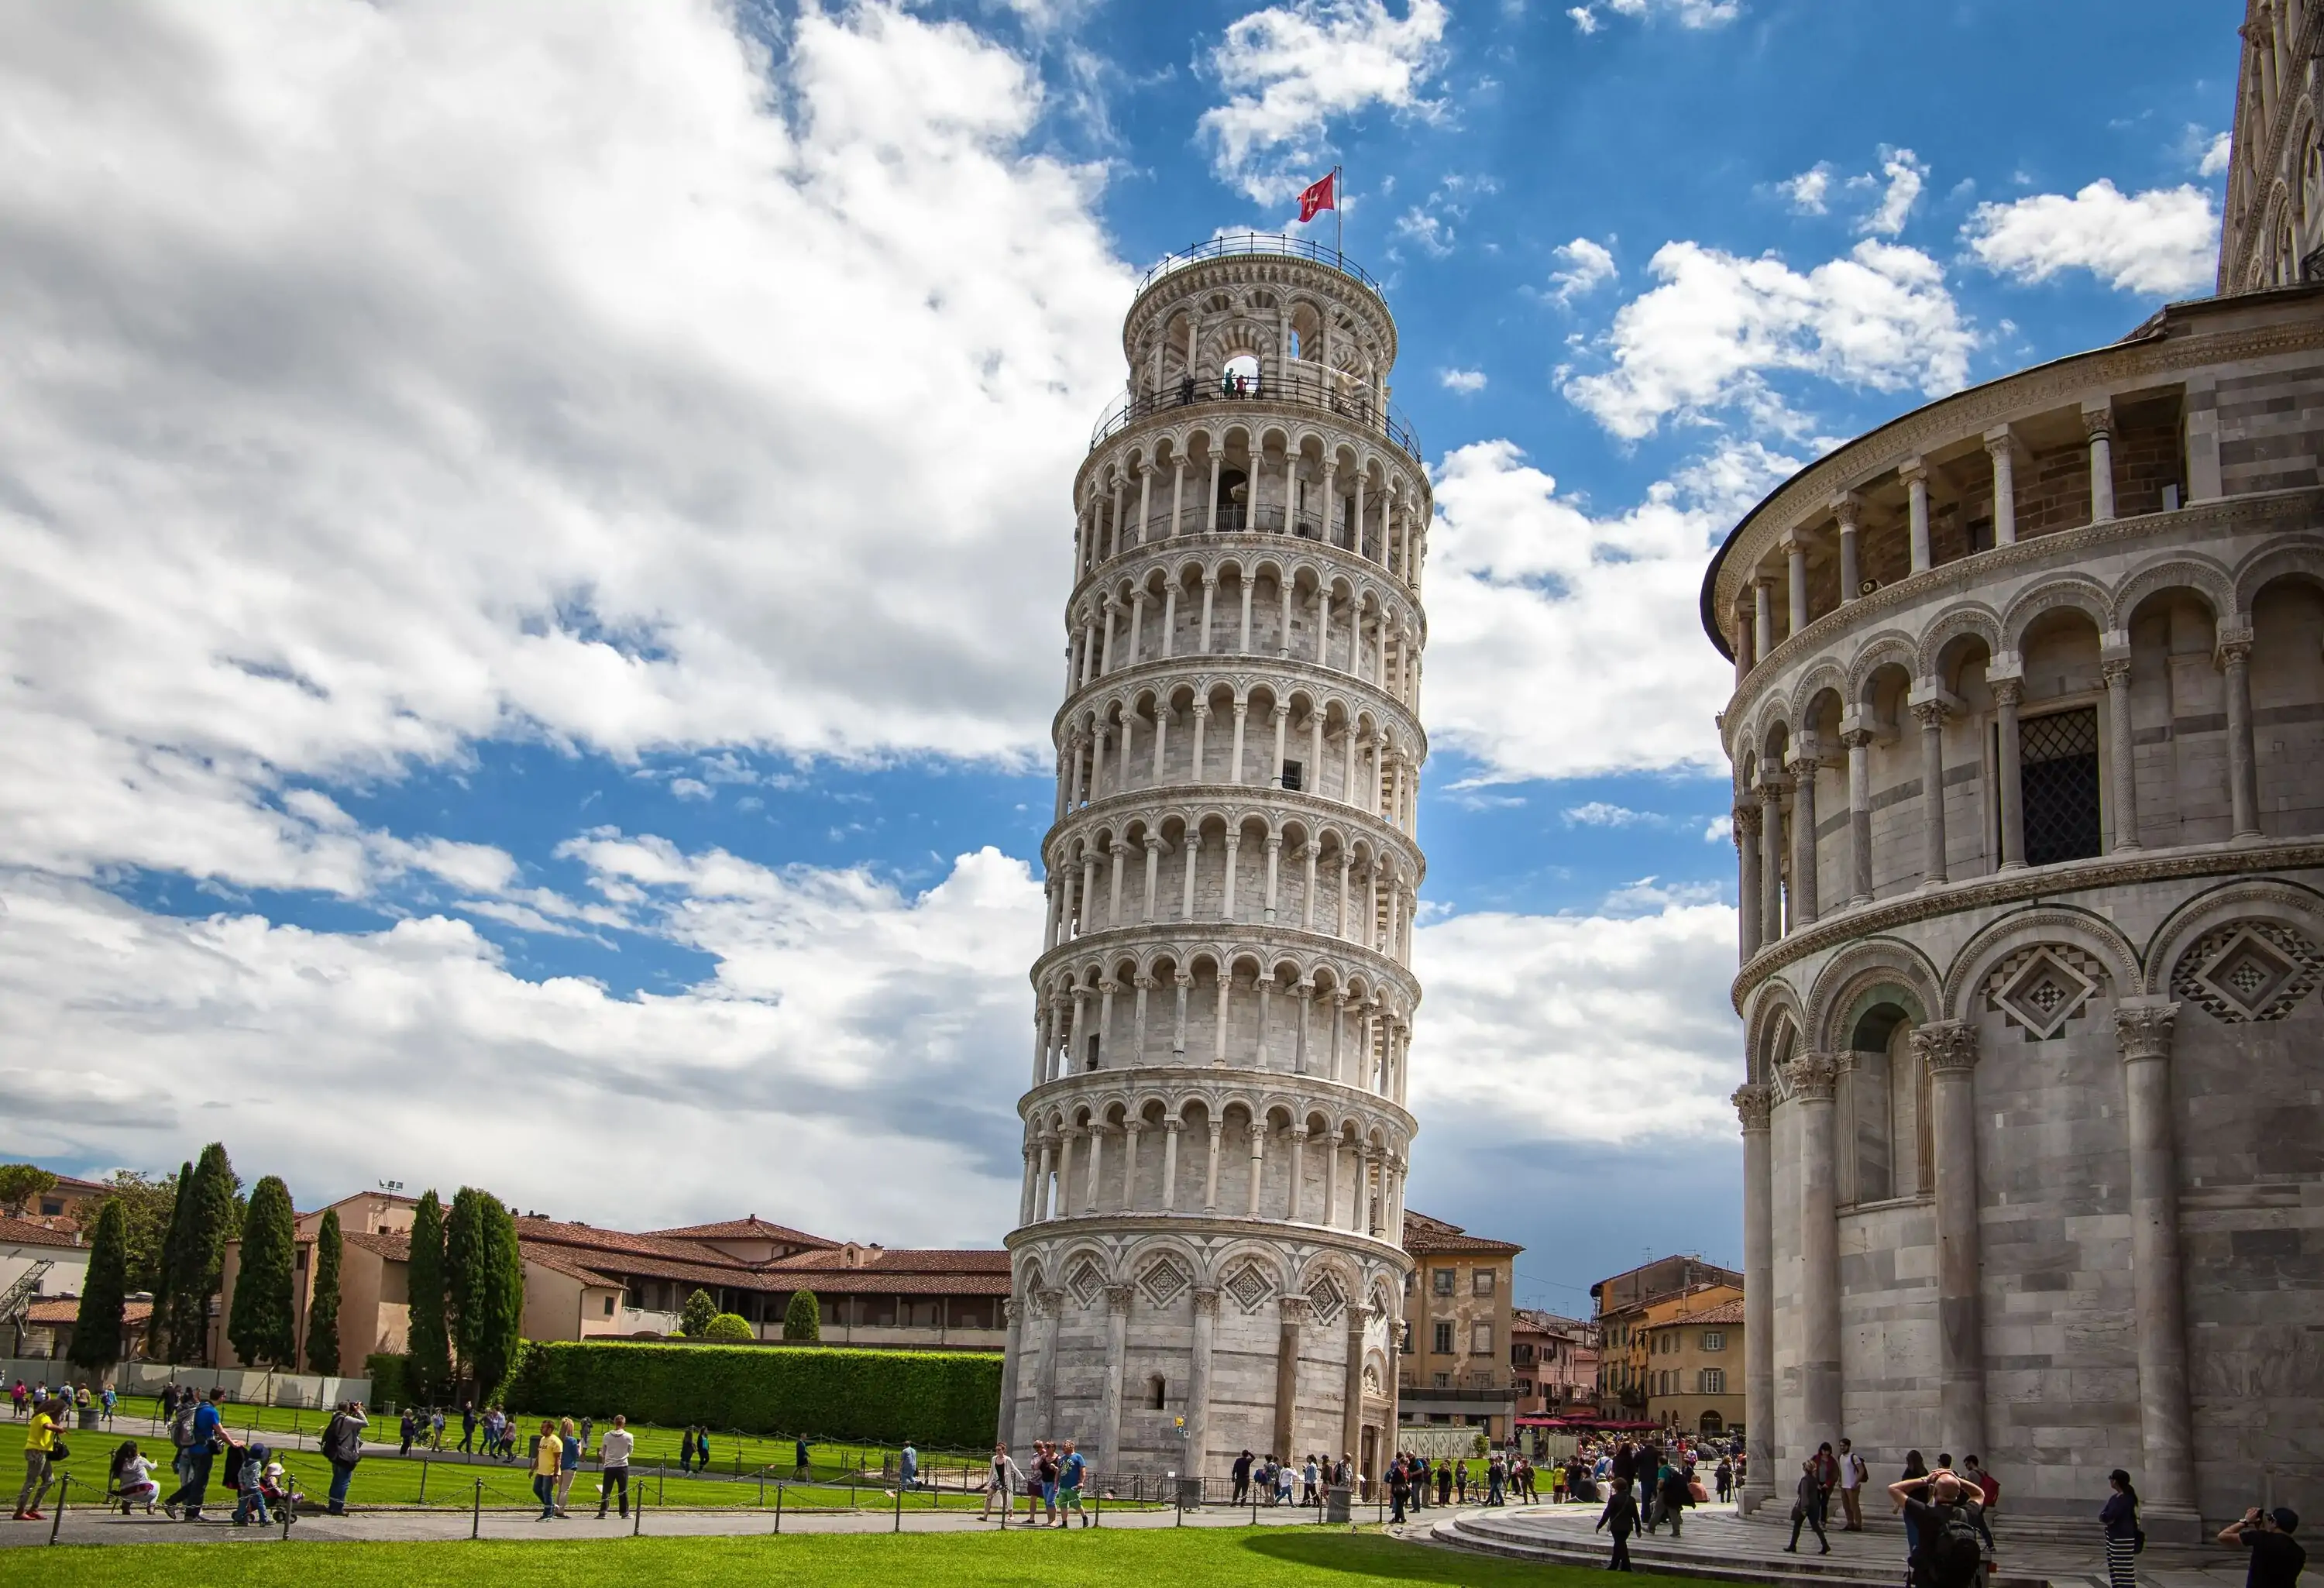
(1795, 567)
(1107, 1458)
(1858, 742)
(1293, 1313)
(1052, 1305)
(1351, 1411)
(2002, 447)
(2097, 425)
(1771, 858)
(1813, 1077)
(2007, 694)
(1950, 1051)
(2122, 754)
(1763, 619)
(2142, 1032)
(1747, 890)
(1915, 475)
(1751, 1105)
(2234, 658)
(1009, 1360)
(1930, 716)
(1198, 1385)
(1802, 769)
(1848, 509)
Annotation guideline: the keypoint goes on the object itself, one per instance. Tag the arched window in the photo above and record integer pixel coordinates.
(1239, 376)
(1156, 1392)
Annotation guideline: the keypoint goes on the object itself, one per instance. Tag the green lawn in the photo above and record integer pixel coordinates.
(1093, 1558)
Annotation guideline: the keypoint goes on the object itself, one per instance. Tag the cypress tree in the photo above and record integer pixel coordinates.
(802, 1319)
(699, 1310)
(500, 1326)
(209, 1224)
(173, 1241)
(323, 1311)
(97, 1333)
(464, 1277)
(264, 1325)
(430, 1347)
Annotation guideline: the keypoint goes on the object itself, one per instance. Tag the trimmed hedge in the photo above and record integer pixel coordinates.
(943, 1399)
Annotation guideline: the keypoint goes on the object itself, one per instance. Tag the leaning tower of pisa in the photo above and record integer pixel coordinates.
(1208, 1255)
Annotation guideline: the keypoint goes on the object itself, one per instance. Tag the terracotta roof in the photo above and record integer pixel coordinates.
(1423, 1235)
(1529, 1318)
(66, 1309)
(559, 1262)
(1725, 1312)
(879, 1282)
(395, 1248)
(750, 1228)
(588, 1237)
(26, 1233)
(883, 1260)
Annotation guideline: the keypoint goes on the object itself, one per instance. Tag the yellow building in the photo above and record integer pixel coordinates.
(1691, 1361)
(1458, 1313)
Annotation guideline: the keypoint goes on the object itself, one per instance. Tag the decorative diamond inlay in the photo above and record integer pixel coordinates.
(2251, 971)
(1327, 1298)
(1162, 1282)
(1249, 1287)
(1086, 1284)
(2040, 989)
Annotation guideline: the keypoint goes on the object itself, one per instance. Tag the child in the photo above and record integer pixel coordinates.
(133, 1479)
(275, 1485)
(250, 1488)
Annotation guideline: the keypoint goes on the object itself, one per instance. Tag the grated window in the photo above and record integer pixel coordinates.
(2058, 776)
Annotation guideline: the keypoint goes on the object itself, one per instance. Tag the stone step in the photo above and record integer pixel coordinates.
(1460, 1534)
(1717, 1548)
(2008, 1526)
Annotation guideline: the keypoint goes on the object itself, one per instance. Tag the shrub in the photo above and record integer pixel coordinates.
(390, 1381)
(942, 1398)
(699, 1310)
(803, 1319)
(729, 1325)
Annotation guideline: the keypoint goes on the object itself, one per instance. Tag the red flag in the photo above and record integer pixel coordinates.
(1317, 198)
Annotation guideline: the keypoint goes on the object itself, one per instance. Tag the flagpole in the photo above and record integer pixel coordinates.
(1339, 213)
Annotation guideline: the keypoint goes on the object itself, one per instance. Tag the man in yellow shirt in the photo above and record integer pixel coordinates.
(548, 1459)
(39, 1441)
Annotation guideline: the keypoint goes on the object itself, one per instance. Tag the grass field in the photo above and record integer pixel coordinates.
(1093, 1558)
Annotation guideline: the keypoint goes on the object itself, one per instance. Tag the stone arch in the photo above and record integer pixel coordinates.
(2276, 900)
(2301, 556)
(1970, 618)
(2199, 574)
(1824, 675)
(1773, 1004)
(2078, 591)
(2029, 926)
(1860, 965)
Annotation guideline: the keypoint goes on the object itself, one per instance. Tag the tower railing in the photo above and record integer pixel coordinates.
(1230, 244)
(1352, 403)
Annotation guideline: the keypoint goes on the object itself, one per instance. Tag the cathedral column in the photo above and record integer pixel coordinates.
(2234, 657)
(2008, 692)
(1751, 1105)
(2122, 755)
(1293, 1312)
(1949, 1050)
(1796, 566)
(1771, 858)
(1186, 982)
(2142, 1032)
(1153, 865)
(1025, 1197)
(2002, 447)
(1763, 619)
(2097, 425)
(1224, 983)
(1257, 1131)
(1811, 1075)
(1042, 1201)
(1930, 716)
(1117, 1344)
(1170, 1129)
(1011, 1358)
(1803, 768)
(1747, 888)
(1915, 475)
(1298, 1173)
(1211, 1169)
(1198, 1385)
(1859, 743)
(1052, 1304)
(1848, 509)
(1351, 1411)
(1132, 1128)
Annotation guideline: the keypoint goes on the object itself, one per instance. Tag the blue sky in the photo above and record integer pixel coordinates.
(536, 542)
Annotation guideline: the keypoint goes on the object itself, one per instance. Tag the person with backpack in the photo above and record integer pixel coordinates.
(2124, 1536)
(1677, 1495)
(343, 1447)
(1852, 1474)
(1621, 1519)
(1941, 1509)
(198, 1432)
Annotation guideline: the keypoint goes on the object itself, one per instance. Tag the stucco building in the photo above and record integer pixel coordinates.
(2028, 741)
(1459, 1328)
(1692, 1365)
(1215, 1135)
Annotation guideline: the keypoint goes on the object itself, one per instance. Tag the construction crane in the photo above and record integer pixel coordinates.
(18, 1299)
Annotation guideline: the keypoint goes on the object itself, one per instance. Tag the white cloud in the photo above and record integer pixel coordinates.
(1463, 381)
(1719, 829)
(1588, 266)
(385, 380)
(2162, 242)
(1691, 13)
(1810, 190)
(691, 788)
(1906, 176)
(1599, 813)
(2217, 152)
(1584, 19)
(1290, 69)
(1706, 338)
(1604, 1029)
(1532, 598)
(1428, 229)
(829, 987)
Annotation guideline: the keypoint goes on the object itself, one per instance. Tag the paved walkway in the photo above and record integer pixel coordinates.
(1717, 1542)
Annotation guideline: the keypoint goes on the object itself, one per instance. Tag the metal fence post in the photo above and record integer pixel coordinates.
(423, 1480)
(638, 1515)
(661, 1477)
(899, 1509)
(779, 1507)
(476, 1515)
(64, 1492)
